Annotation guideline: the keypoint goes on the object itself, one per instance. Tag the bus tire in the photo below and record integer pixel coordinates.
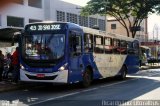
(140, 63)
(87, 78)
(123, 73)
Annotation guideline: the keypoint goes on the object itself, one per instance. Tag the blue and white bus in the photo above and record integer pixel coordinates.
(61, 52)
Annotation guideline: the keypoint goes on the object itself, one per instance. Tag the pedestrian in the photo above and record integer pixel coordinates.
(16, 65)
(7, 67)
(1, 64)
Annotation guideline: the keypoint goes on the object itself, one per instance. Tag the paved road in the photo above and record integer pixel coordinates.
(145, 85)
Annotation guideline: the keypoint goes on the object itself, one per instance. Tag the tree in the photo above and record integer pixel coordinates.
(158, 9)
(122, 11)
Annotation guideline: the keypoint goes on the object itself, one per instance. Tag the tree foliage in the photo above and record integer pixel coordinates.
(122, 11)
(158, 9)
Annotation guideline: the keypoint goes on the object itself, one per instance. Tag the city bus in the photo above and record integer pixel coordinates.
(66, 53)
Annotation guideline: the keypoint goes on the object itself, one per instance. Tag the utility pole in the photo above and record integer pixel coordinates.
(105, 8)
(155, 32)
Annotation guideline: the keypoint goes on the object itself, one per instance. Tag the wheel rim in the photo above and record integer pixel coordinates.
(123, 72)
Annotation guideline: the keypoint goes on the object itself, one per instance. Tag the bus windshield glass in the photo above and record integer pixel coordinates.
(43, 46)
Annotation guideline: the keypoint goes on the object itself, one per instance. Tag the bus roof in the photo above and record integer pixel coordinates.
(46, 22)
(50, 22)
(89, 30)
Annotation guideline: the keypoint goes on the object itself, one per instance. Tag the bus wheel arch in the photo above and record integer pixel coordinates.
(87, 76)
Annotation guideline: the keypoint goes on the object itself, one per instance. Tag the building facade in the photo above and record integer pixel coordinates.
(23, 12)
(113, 26)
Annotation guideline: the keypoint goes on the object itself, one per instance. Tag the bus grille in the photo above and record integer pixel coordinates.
(43, 78)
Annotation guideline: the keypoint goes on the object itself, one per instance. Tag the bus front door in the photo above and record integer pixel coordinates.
(75, 58)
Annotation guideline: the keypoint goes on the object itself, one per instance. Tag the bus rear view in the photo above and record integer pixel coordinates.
(43, 53)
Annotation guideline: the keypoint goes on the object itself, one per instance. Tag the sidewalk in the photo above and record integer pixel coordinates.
(150, 66)
(8, 86)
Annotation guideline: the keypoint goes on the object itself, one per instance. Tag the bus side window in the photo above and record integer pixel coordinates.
(136, 47)
(108, 45)
(75, 43)
(123, 45)
(88, 43)
(78, 43)
(72, 42)
(116, 46)
(98, 44)
(130, 48)
(133, 48)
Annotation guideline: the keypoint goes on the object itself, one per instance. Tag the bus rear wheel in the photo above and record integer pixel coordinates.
(87, 78)
(123, 73)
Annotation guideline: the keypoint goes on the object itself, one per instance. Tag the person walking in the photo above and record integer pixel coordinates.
(1, 64)
(16, 65)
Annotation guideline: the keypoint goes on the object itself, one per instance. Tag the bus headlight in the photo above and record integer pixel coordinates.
(21, 66)
(64, 67)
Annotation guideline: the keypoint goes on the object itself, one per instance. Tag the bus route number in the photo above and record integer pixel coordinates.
(45, 27)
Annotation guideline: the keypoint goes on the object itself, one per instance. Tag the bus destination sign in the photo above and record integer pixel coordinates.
(44, 27)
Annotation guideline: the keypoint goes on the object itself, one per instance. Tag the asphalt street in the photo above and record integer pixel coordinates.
(143, 86)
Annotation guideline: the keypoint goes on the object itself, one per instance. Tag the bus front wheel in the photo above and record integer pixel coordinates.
(87, 78)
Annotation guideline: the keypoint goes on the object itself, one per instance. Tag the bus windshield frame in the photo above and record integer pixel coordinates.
(43, 46)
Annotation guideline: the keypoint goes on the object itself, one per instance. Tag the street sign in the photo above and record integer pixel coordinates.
(135, 28)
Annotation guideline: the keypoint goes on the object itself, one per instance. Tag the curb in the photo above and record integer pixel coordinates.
(149, 67)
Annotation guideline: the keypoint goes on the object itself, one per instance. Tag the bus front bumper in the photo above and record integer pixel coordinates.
(56, 77)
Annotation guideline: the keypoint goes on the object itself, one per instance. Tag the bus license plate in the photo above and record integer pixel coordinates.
(40, 75)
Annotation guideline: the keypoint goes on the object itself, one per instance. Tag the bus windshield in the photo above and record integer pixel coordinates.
(43, 46)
